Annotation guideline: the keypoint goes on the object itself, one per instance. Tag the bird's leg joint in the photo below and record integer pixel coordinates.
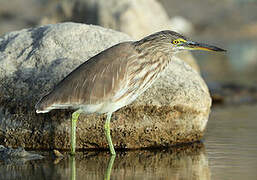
(107, 126)
(75, 116)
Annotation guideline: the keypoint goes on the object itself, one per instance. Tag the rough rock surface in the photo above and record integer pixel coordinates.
(174, 110)
(135, 18)
(12, 155)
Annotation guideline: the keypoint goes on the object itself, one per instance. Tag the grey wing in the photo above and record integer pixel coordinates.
(97, 80)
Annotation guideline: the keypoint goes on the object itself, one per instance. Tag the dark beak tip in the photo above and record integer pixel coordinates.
(214, 48)
(218, 49)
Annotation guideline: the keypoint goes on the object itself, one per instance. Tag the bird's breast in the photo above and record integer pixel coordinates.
(141, 75)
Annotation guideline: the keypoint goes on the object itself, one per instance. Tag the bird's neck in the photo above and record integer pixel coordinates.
(146, 67)
(148, 64)
(154, 56)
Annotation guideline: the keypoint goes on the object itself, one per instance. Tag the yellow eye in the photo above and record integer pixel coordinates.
(175, 41)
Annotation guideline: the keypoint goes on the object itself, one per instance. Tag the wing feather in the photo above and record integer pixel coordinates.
(95, 81)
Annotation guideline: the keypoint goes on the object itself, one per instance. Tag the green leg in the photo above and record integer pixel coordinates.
(74, 119)
(108, 134)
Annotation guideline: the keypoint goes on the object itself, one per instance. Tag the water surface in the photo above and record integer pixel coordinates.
(231, 142)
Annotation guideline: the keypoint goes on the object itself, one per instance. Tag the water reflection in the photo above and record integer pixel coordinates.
(72, 168)
(107, 175)
(187, 162)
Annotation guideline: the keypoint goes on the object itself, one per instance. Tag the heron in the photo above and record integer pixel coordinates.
(115, 77)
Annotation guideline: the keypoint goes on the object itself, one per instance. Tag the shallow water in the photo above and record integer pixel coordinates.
(228, 151)
(231, 142)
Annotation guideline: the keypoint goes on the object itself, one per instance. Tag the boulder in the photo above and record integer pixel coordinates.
(174, 110)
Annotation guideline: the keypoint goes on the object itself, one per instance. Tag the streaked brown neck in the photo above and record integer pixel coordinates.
(146, 68)
(155, 54)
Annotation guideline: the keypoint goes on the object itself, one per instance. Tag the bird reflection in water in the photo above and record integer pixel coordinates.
(183, 162)
(107, 174)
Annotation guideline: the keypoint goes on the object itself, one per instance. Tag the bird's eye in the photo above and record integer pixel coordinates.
(175, 41)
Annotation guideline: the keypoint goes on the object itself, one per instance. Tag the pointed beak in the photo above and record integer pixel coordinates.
(200, 46)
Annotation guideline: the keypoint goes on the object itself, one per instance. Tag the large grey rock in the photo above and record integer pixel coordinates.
(174, 110)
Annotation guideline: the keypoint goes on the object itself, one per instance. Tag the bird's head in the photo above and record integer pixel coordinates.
(175, 42)
(179, 42)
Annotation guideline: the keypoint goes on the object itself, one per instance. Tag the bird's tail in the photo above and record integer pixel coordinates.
(47, 103)
(41, 106)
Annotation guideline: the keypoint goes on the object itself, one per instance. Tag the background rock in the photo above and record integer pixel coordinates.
(136, 18)
(175, 110)
(232, 94)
